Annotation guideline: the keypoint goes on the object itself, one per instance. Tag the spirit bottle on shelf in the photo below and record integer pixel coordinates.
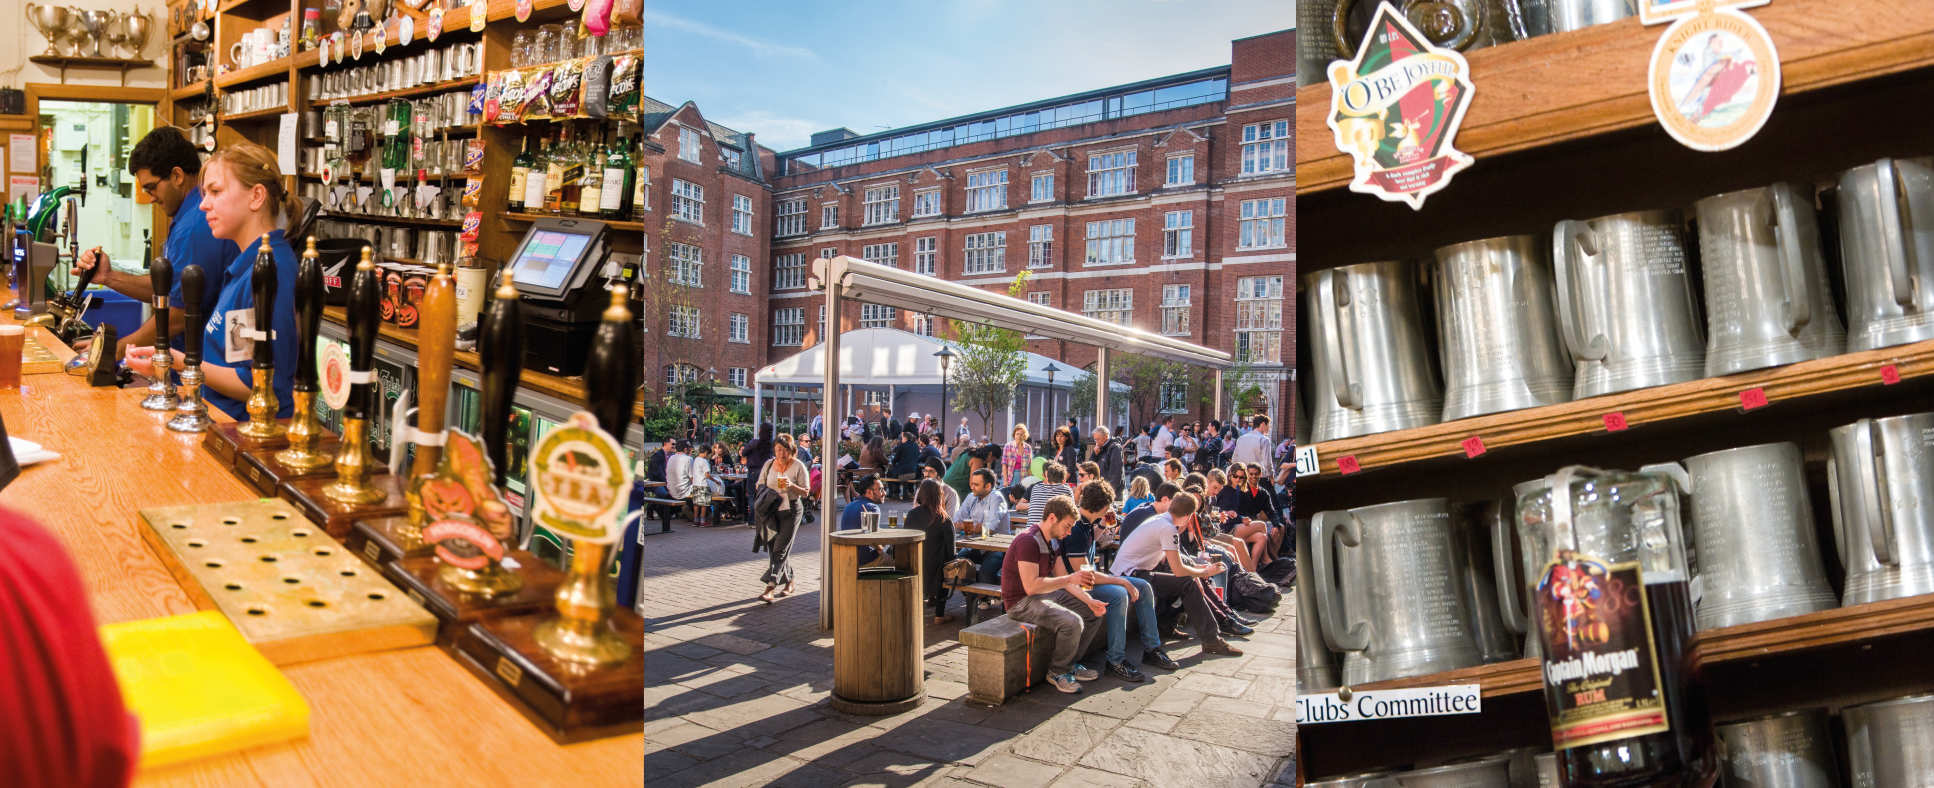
(535, 180)
(591, 194)
(638, 183)
(618, 180)
(554, 162)
(520, 169)
(573, 156)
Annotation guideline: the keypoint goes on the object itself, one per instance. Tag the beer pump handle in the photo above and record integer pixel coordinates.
(308, 318)
(194, 321)
(500, 344)
(435, 352)
(612, 372)
(162, 275)
(362, 336)
(262, 280)
(86, 278)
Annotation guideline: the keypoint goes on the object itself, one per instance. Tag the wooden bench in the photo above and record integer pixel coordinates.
(989, 590)
(668, 507)
(1004, 658)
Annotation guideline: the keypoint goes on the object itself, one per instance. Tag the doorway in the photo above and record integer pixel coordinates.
(88, 143)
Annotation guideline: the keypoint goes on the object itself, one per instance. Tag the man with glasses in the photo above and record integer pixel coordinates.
(166, 167)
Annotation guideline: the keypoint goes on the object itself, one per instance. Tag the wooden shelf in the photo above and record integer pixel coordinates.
(191, 91)
(614, 224)
(278, 67)
(1588, 82)
(439, 224)
(568, 389)
(420, 90)
(1386, 450)
(252, 115)
(79, 61)
(456, 22)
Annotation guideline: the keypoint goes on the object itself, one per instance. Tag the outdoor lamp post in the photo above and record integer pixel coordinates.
(1051, 369)
(946, 356)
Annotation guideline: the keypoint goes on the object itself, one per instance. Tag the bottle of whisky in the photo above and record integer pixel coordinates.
(520, 170)
(535, 180)
(573, 183)
(554, 165)
(619, 180)
(591, 194)
(639, 183)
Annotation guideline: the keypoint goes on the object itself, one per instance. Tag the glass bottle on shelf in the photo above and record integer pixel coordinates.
(618, 180)
(535, 189)
(554, 171)
(591, 192)
(573, 180)
(638, 182)
(520, 169)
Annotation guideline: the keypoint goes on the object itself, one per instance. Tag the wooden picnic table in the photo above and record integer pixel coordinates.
(995, 542)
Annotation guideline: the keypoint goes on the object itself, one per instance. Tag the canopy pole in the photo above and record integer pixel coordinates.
(1215, 411)
(1101, 388)
(756, 412)
(829, 459)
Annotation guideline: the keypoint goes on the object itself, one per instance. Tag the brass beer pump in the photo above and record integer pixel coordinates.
(192, 414)
(262, 403)
(161, 393)
(305, 429)
(353, 458)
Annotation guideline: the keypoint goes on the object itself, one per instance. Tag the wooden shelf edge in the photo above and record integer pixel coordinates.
(256, 114)
(615, 224)
(188, 91)
(81, 61)
(1515, 677)
(252, 73)
(1584, 83)
(1386, 450)
(420, 90)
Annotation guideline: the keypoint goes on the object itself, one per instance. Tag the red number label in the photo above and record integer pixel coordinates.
(1889, 375)
(1347, 464)
(1751, 399)
(1473, 446)
(1615, 421)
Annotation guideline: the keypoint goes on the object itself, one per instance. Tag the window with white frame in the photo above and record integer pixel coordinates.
(1114, 305)
(741, 274)
(1040, 246)
(923, 324)
(682, 321)
(789, 271)
(926, 253)
(1111, 242)
(884, 254)
(1178, 233)
(789, 326)
(645, 193)
(739, 328)
(1175, 310)
(876, 316)
(1265, 147)
(687, 265)
(1110, 174)
(829, 252)
(883, 204)
(741, 214)
(1259, 319)
(688, 144)
(829, 216)
(1175, 395)
(736, 376)
(1261, 223)
(730, 155)
(1181, 170)
(986, 253)
(986, 191)
(822, 319)
(926, 202)
(1041, 297)
(688, 201)
(1041, 187)
(791, 218)
(680, 373)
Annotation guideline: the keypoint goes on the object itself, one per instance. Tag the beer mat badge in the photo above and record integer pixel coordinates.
(469, 520)
(1601, 669)
(435, 27)
(1714, 79)
(1395, 109)
(333, 374)
(580, 476)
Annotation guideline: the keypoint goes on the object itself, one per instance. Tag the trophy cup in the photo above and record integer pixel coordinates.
(191, 415)
(134, 29)
(311, 448)
(472, 575)
(161, 393)
(335, 504)
(95, 25)
(230, 440)
(579, 669)
(52, 22)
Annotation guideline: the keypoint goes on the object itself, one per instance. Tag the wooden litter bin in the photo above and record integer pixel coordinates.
(878, 664)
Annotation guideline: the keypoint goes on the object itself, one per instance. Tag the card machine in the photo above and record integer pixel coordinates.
(558, 269)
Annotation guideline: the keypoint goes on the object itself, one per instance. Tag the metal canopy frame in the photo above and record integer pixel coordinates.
(844, 277)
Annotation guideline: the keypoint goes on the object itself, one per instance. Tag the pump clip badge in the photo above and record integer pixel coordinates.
(1395, 109)
(1714, 75)
(580, 475)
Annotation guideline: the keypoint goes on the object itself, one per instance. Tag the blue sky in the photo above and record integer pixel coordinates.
(784, 70)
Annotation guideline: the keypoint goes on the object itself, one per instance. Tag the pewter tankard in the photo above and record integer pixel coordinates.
(1752, 528)
(1890, 743)
(1372, 372)
(1389, 590)
(1788, 750)
(1565, 15)
(1494, 640)
(1880, 477)
(1517, 578)
(1315, 663)
(1767, 298)
(1487, 773)
(1547, 764)
(1887, 251)
(1497, 328)
(1625, 302)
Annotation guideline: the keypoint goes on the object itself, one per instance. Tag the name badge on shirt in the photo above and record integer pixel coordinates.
(237, 348)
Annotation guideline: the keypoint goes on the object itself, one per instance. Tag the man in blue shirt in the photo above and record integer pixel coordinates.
(983, 512)
(867, 494)
(165, 165)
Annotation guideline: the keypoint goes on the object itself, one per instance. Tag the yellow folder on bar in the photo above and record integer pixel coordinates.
(199, 689)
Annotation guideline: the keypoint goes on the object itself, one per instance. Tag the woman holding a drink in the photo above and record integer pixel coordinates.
(785, 475)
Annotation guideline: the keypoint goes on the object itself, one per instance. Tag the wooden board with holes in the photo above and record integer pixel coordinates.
(292, 591)
(38, 360)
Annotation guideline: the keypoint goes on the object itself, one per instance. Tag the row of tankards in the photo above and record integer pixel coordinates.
(1415, 587)
(1609, 304)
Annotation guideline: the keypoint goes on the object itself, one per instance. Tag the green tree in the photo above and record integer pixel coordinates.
(1144, 376)
(1081, 399)
(991, 363)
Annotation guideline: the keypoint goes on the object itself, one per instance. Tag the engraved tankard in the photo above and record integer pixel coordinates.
(1887, 251)
(1315, 662)
(1767, 298)
(1791, 749)
(1497, 329)
(1626, 306)
(1389, 590)
(1517, 572)
(1880, 478)
(1752, 528)
(1890, 742)
(1373, 371)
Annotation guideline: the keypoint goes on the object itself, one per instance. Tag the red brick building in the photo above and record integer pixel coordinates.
(1167, 204)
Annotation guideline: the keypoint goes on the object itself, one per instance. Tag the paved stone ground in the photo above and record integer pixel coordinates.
(737, 694)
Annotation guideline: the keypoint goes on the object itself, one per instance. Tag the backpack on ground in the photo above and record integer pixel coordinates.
(1249, 592)
(1281, 571)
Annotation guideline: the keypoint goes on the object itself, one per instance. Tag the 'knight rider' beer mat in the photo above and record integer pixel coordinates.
(1395, 109)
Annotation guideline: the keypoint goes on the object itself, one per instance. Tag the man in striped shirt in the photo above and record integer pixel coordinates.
(1054, 481)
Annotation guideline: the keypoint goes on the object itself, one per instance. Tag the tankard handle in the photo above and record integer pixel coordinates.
(1333, 294)
(1329, 595)
(1567, 235)
(1799, 288)
(1504, 570)
(1895, 187)
(1873, 490)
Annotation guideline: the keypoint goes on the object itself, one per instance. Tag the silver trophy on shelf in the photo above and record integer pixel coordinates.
(52, 22)
(129, 34)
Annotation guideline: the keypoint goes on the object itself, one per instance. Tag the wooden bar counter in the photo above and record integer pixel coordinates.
(404, 717)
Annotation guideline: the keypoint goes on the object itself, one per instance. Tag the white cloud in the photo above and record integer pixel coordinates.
(774, 130)
(669, 21)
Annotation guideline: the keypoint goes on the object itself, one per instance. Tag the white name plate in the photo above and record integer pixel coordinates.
(1324, 707)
